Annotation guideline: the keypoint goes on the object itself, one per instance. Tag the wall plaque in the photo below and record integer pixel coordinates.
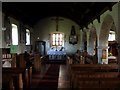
(73, 38)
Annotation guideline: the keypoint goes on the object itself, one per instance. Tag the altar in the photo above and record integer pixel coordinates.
(56, 55)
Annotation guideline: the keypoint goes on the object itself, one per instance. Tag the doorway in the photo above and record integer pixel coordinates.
(40, 47)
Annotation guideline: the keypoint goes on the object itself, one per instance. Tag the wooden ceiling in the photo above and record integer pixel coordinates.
(30, 13)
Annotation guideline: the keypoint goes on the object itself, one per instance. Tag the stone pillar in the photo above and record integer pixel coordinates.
(118, 28)
(101, 59)
(118, 57)
(0, 44)
(0, 25)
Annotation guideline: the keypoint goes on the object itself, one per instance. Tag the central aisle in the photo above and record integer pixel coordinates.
(51, 76)
(47, 78)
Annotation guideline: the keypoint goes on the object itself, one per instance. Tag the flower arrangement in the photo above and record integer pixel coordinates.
(109, 54)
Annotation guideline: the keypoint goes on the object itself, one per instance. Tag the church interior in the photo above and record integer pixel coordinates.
(60, 45)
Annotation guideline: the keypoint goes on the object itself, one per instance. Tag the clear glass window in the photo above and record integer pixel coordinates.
(14, 34)
(27, 37)
(111, 36)
(57, 39)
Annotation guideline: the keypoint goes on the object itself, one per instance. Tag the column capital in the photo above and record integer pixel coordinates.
(102, 47)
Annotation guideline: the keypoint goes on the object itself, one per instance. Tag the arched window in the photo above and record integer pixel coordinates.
(111, 36)
(27, 37)
(57, 39)
(14, 34)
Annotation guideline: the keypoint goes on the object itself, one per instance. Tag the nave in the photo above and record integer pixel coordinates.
(85, 36)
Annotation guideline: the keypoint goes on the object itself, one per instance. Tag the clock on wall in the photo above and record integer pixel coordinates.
(73, 38)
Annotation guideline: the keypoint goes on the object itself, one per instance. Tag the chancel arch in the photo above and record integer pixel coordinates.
(46, 26)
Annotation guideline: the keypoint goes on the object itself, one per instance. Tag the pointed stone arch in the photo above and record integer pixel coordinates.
(107, 24)
(92, 40)
(105, 28)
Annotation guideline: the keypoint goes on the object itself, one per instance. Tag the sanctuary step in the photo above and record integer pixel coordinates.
(56, 55)
(54, 61)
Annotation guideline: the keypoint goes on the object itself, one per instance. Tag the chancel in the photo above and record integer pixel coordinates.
(57, 54)
(57, 42)
(55, 45)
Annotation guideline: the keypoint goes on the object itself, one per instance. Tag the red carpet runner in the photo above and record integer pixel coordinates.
(50, 80)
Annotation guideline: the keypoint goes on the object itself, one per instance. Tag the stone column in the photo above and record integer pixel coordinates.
(118, 28)
(118, 57)
(102, 60)
(0, 45)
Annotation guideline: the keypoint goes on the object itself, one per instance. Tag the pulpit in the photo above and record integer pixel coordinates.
(56, 55)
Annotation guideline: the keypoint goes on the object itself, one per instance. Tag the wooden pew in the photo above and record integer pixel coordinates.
(37, 62)
(13, 63)
(99, 66)
(111, 83)
(84, 67)
(25, 78)
(90, 68)
(21, 63)
(15, 75)
(30, 75)
(69, 60)
(7, 82)
(99, 84)
(94, 75)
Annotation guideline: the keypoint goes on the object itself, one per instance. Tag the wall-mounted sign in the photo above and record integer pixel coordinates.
(13, 49)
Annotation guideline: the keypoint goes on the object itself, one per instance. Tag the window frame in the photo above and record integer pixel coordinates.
(112, 33)
(16, 38)
(26, 36)
(57, 40)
